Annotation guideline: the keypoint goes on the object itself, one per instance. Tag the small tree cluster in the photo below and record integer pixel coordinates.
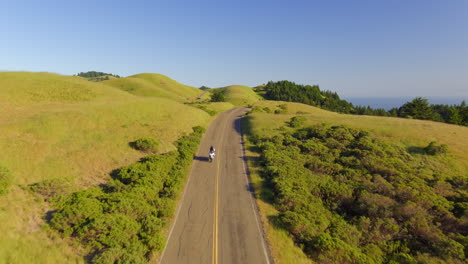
(149, 145)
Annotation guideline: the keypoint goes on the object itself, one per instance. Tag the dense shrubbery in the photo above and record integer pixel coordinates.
(149, 145)
(346, 197)
(121, 222)
(5, 180)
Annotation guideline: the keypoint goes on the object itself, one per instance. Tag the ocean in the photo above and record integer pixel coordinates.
(388, 103)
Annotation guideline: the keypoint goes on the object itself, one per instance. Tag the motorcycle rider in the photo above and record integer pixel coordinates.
(212, 153)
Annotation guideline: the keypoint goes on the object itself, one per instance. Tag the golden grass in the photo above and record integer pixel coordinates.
(20, 88)
(156, 85)
(63, 127)
(403, 132)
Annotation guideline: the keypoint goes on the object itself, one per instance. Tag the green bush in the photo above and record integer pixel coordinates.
(218, 96)
(5, 180)
(297, 121)
(434, 149)
(148, 145)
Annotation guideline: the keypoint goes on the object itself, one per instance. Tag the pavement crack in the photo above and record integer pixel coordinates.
(190, 209)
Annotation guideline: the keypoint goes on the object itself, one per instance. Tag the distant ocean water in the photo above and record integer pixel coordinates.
(388, 103)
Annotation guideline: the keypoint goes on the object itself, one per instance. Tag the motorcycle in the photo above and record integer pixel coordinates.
(211, 156)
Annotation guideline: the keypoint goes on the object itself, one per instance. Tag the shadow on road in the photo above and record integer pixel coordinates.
(201, 158)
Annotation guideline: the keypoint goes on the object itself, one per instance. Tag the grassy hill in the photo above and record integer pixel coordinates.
(75, 132)
(155, 85)
(238, 95)
(269, 119)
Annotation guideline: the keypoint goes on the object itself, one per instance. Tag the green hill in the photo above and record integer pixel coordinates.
(68, 131)
(358, 189)
(30, 88)
(239, 95)
(155, 85)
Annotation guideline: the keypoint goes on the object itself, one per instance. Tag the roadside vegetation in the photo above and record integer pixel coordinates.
(122, 220)
(61, 134)
(358, 191)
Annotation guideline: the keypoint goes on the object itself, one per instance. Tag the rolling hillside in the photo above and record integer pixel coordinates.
(335, 231)
(72, 131)
(155, 85)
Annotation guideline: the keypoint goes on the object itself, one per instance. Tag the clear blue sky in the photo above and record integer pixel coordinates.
(356, 48)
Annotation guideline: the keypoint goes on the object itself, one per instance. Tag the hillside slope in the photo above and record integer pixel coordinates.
(66, 130)
(23, 88)
(155, 85)
(337, 187)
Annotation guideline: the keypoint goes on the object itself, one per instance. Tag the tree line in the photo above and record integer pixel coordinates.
(94, 74)
(418, 108)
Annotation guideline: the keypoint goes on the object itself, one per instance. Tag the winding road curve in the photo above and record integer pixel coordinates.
(217, 220)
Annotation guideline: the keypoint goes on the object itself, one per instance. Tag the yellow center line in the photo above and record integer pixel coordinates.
(215, 228)
(215, 215)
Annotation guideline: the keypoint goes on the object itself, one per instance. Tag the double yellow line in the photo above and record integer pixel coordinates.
(215, 218)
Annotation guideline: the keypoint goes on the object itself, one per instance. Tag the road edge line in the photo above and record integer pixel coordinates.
(179, 207)
(252, 194)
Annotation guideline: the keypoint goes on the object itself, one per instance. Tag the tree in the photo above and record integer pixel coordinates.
(418, 108)
(218, 97)
(455, 117)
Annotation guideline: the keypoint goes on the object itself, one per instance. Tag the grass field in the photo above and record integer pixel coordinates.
(76, 131)
(404, 132)
(155, 85)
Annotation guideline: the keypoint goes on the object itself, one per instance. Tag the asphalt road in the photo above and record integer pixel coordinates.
(217, 220)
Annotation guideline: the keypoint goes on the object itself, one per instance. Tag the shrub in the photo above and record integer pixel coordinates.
(149, 145)
(297, 121)
(5, 180)
(218, 96)
(267, 109)
(434, 149)
(50, 188)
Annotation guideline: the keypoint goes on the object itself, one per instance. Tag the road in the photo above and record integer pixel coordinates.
(217, 220)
